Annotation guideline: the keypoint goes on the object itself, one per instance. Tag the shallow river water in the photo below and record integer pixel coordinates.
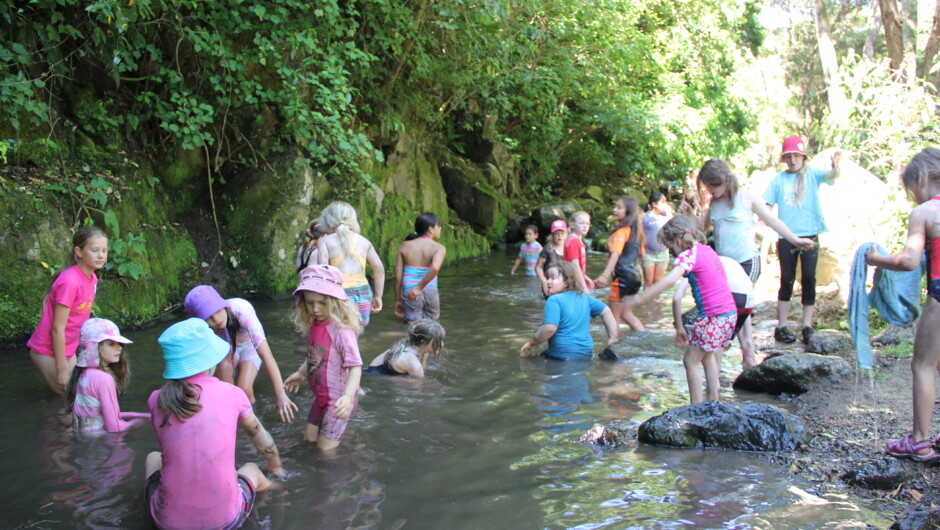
(486, 441)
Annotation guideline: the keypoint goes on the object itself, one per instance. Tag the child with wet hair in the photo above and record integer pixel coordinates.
(307, 253)
(409, 356)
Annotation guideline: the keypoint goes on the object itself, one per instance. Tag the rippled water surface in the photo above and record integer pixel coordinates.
(486, 441)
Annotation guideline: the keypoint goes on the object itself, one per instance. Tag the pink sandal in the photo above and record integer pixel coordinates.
(906, 448)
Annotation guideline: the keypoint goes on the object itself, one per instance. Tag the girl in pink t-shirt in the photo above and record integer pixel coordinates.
(717, 313)
(67, 306)
(333, 366)
(100, 376)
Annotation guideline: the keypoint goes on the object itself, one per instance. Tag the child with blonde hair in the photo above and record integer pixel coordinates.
(576, 251)
(409, 356)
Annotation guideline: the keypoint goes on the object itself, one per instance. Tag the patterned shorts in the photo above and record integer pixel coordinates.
(713, 334)
(329, 425)
(361, 295)
(247, 353)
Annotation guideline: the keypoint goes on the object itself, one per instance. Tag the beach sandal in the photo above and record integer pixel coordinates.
(906, 448)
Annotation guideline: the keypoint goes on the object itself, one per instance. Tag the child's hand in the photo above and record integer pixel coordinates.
(589, 282)
(524, 350)
(545, 288)
(399, 311)
(343, 407)
(836, 157)
(376, 305)
(284, 406)
(62, 377)
(682, 338)
(415, 292)
(292, 384)
(600, 282)
(277, 472)
(805, 243)
(872, 252)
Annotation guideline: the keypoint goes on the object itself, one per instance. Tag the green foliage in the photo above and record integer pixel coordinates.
(899, 351)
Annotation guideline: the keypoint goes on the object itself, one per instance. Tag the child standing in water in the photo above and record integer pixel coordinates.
(529, 251)
(333, 366)
(656, 257)
(554, 250)
(343, 248)
(100, 376)
(235, 321)
(418, 261)
(576, 251)
(568, 313)
(193, 482)
(922, 180)
(307, 253)
(795, 191)
(717, 313)
(625, 246)
(67, 306)
(409, 356)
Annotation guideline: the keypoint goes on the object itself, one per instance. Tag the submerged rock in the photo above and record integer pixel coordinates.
(741, 427)
(792, 374)
(884, 474)
(828, 341)
(919, 520)
(610, 435)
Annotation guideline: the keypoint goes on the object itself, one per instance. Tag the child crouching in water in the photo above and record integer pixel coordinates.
(333, 366)
(568, 313)
(100, 376)
(717, 313)
(409, 356)
(193, 483)
(922, 179)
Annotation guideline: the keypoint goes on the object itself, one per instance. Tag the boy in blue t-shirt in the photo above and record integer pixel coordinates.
(529, 251)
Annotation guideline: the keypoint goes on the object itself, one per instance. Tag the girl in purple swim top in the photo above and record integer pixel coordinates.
(418, 261)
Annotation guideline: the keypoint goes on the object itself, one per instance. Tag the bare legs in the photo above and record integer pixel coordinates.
(692, 358)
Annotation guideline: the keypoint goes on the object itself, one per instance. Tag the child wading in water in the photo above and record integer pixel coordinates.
(333, 366)
(235, 321)
(67, 306)
(554, 250)
(576, 252)
(922, 179)
(100, 376)
(193, 483)
(795, 191)
(717, 313)
(656, 257)
(343, 248)
(529, 251)
(409, 356)
(307, 253)
(418, 261)
(625, 245)
(568, 313)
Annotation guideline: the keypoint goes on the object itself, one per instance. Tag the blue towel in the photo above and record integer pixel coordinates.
(895, 295)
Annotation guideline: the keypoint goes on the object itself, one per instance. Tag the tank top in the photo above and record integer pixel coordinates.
(734, 229)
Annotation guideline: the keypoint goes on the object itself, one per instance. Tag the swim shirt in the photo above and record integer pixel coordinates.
(250, 330)
(804, 218)
(575, 250)
(331, 352)
(77, 292)
(572, 313)
(529, 252)
(707, 279)
(96, 405)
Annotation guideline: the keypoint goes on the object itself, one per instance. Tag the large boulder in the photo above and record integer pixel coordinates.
(544, 214)
(741, 427)
(473, 198)
(828, 341)
(894, 335)
(883, 474)
(792, 374)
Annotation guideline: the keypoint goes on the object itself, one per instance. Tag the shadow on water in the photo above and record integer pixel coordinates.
(487, 440)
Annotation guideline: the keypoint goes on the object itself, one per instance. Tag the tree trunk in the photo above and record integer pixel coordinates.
(891, 19)
(909, 37)
(933, 41)
(830, 65)
(874, 28)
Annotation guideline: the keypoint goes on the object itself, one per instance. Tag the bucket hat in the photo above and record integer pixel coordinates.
(95, 331)
(190, 347)
(203, 301)
(323, 279)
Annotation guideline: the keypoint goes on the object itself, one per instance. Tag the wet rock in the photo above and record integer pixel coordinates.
(919, 520)
(543, 215)
(894, 335)
(829, 341)
(884, 474)
(611, 435)
(741, 427)
(792, 374)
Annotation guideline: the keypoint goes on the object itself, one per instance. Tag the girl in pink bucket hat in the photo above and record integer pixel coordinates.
(795, 192)
(333, 366)
(100, 376)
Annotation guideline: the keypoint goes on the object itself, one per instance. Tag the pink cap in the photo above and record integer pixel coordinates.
(95, 331)
(793, 144)
(323, 279)
(559, 224)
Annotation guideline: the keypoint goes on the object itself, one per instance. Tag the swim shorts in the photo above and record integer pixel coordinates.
(244, 485)
(427, 306)
(361, 295)
(323, 418)
(247, 353)
(713, 334)
(661, 258)
(624, 287)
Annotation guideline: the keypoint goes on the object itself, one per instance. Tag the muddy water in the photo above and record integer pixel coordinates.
(486, 441)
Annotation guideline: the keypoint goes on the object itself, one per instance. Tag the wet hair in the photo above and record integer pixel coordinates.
(343, 313)
(654, 197)
(716, 172)
(423, 223)
(924, 165)
(180, 398)
(633, 218)
(341, 218)
(680, 228)
(314, 230)
(567, 271)
(420, 333)
(534, 229)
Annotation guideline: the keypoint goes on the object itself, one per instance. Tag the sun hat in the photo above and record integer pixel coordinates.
(95, 331)
(324, 279)
(190, 347)
(203, 301)
(559, 224)
(793, 144)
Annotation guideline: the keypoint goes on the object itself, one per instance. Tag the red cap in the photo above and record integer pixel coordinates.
(793, 144)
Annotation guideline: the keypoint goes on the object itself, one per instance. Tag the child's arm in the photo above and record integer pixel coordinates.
(103, 388)
(835, 172)
(344, 403)
(759, 207)
(293, 381)
(539, 265)
(682, 338)
(399, 272)
(582, 278)
(378, 278)
(604, 277)
(284, 404)
(60, 317)
(263, 442)
(610, 323)
(323, 250)
(515, 266)
(545, 332)
(909, 258)
(436, 262)
(654, 290)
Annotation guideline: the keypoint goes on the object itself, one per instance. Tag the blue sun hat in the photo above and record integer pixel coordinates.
(190, 347)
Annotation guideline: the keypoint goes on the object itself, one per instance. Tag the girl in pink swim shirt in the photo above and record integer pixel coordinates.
(100, 376)
(717, 313)
(333, 366)
(67, 306)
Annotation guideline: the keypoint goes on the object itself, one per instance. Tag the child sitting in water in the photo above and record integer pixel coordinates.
(568, 312)
(418, 261)
(409, 356)
(100, 376)
(528, 252)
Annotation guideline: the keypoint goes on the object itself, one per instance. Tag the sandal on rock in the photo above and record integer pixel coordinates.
(906, 448)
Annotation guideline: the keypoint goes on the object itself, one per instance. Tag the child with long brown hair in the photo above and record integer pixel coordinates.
(625, 245)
